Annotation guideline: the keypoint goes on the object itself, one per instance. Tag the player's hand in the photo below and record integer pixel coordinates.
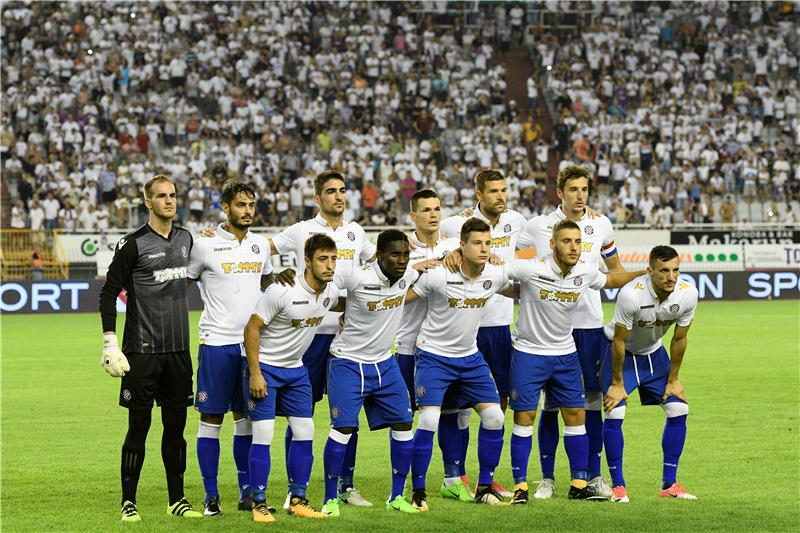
(258, 386)
(286, 278)
(208, 232)
(452, 260)
(466, 212)
(341, 322)
(113, 360)
(674, 388)
(615, 394)
(592, 213)
(426, 265)
(495, 260)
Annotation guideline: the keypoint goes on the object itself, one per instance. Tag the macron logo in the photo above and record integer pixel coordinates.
(121, 243)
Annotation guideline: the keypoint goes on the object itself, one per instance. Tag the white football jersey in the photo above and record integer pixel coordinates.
(292, 316)
(547, 303)
(500, 310)
(597, 241)
(352, 248)
(372, 314)
(414, 313)
(648, 319)
(455, 308)
(230, 273)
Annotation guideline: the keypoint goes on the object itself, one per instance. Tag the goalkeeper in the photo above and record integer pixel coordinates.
(154, 362)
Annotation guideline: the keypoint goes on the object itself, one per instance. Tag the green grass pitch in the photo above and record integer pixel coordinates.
(62, 431)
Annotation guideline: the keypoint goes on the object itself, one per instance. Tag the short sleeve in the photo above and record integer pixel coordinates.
(451, 227)
(267, 266)
(426, 282)
(197, 259)
(598, 279)
(349, 282)
(519, 269)
(286, 241)
(688, 313)
(609, 248)
(368, 249)
(626, 308)
(527, 237)
(270, 303)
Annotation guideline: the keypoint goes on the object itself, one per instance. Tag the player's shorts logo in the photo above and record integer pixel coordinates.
(325, 302)
(402, 284)
(487, 284)
(514, 394)
(674, 308)
(251, 405)
(351, 235)
(588, 230)
(336, 412)
(256, 249)
(202, 396)
(507, 228)
(184, 251)
(420, 391)
(578, 280)
(126, 395)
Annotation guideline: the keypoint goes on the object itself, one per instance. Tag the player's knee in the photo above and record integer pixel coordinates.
(208, 431)
(263, 431)
(174, 421)
(524, 418)
(138, 427)
(211, 419)
(573, 416)
(674, 409)
(401, 427)
(617, 413)
(492, 417)
(464, 416)
(593, 401)
(339, 435)
(428, 420)
(345, 431)
(302, 428)
(242, 427)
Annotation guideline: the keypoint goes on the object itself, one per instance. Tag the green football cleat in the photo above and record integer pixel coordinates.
(459, 492)
(183, 509)
(331, 507)
(402, 505)
(129, 512)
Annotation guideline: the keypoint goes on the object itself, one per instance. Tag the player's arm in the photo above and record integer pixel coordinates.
(511, 291)
(616, 280)
(252, 333)
(613, 264)
(119, 272)
(267, 280)
(616, 392)
(677, 349)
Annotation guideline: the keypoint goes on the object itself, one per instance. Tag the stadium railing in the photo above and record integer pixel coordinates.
(16, 255)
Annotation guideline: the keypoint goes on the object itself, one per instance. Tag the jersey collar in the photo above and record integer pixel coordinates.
(419, 244)
(553, 266)
(227, 235)
(476, 213)
(324, 223)
(301, 279)
(560, 215)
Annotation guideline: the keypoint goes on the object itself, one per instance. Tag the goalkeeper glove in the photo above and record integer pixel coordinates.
(114, 361)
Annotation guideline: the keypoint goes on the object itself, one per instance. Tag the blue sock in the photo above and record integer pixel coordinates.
(548, 443)
(672, 445)
(241, 452)
(421, 458)
(301, 458)
(594, 430)
(349, 464)
(450, 443)
(576, 444)
(332, 458)
(490, 446)
(462, 456)
(208, 457)
(259, 470)
(615, 444)
(520, 454)
(287, 445)
(401, 452)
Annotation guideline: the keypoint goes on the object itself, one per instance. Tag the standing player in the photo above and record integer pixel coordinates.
(362, 371)
(231, 266)
(447, 353)
(545, 355)
(494, 335)
(154, 363)
(597, 242)
(646, 309)
(277, 334)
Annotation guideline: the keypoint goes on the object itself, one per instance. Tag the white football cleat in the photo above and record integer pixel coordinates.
(600, 487)
(352, 497)
(547, 487)
(288, 501)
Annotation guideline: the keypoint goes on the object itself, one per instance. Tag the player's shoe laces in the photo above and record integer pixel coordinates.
(465, 480)
(261, 513)
(585, 493)
(520, 494)
(600, 487)
(183, 509)
(620, 495)
(677, 492)
(302, 508)
(459, 492)
(501, 490)
(245, 504)
(211, 507)
(401, 504)
(546, 489)
(487, 495)
(352, 497)
(419, 499)
(331, 507)
(129, 512)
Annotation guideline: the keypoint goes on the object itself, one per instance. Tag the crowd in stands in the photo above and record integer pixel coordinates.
(678, 111)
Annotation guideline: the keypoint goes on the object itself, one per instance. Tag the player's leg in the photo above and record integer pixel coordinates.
(453, 443)
(261, 412)
(591, 344)
(208, 459)
(427, 423)
(547, 437)
(613, 439)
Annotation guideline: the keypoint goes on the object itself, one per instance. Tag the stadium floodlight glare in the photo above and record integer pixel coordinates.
(90, 51)
(549, 67)
(133, 15)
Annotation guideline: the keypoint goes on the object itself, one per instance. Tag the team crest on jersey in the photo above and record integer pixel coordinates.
(256, 249)
(184, 251)
(402, 284)
(514, 394)
(487, 284)
(351, 235)
(674, 308)
(420, 391)
(251, 405)
(202, 396)
(325, 302)
(507, 228)
(336, 412)
(578, 280)
(588, 230)
(126, 395)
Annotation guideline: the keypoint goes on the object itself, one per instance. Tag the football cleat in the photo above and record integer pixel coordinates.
(419, 499)
(677, 492)
(501, 490)
(620, 495)
(600, 487)
(287, 501)
(261, 513)
(584, 493)
(211, 507)
(245, 504)
(402, 505)
(129, 512)
(352, 497)
(183, 509)
(465, 480)
(520, 494)
(459, 492)
(487, 495)
(331, 507)
(546, 489)
(302, 508)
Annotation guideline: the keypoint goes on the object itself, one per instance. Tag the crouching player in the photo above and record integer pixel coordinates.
(276, 383)
(646, 309)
